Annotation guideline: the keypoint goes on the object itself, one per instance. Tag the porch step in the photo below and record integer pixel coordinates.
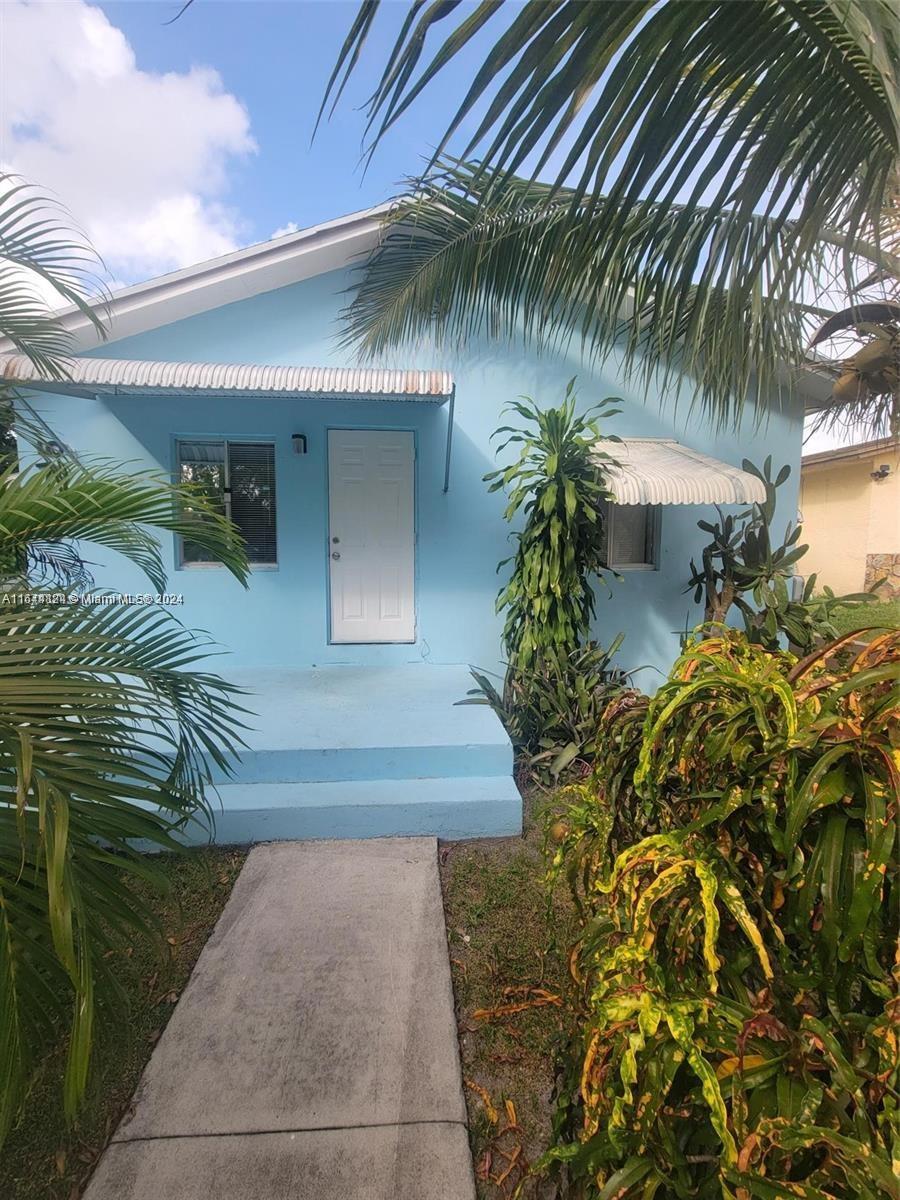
(461, 807)
(356, 723)
(356, 752)
(313, 764)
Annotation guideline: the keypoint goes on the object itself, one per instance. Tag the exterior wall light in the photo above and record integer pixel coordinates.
(881, 472)
(298, 441)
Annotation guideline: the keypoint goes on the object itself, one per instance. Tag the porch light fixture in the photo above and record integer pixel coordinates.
(298, 441)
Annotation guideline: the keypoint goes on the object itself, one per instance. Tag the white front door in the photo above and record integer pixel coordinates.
(371, 535)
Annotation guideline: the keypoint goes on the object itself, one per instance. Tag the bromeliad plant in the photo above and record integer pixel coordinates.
(556, 483)
(742, 567)
(736, 977)
(552, 708)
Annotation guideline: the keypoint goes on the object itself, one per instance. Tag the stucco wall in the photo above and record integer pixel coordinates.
(282, 619)
(848, 516)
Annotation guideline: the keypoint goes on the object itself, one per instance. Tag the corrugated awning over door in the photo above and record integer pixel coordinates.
(135, 377)
(141, 377)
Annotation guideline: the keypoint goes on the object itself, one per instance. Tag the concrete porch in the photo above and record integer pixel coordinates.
(355, 752)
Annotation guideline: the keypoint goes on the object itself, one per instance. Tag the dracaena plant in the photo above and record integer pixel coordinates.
(110, 725)
(743, 567)
(556, 485)
(736, 988)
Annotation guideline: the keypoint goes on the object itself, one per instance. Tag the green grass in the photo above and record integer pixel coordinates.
(44, 1159)
(883, 615)
(502, 937)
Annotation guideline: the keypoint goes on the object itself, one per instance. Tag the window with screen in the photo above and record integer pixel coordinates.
(630, 536)
(239, 479)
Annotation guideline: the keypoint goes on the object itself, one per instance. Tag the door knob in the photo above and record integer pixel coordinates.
(335, 555)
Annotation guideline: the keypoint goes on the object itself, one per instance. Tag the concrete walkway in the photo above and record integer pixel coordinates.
(313, 1053)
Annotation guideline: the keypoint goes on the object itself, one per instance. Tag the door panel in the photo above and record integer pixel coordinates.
(371, 538)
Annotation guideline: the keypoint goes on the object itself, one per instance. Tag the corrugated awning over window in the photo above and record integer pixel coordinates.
(661, 471)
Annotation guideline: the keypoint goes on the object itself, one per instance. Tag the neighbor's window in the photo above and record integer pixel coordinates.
(630, 536)
(239, 479)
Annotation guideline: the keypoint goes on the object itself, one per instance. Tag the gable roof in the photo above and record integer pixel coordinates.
(236, 276)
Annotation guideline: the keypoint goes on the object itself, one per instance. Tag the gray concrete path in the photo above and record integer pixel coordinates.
(313, 1053)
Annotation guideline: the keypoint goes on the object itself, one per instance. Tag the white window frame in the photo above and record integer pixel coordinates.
(654, 523)
(184, 564)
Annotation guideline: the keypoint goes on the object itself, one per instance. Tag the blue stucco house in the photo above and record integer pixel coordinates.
(373, 539)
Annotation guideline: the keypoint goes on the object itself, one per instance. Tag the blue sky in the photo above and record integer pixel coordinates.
(275, 57)
(174, 142)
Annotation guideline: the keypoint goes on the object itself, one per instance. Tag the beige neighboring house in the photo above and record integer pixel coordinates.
(850, 508)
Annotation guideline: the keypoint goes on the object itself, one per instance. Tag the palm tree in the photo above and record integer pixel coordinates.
(109, 728)
(707, 163)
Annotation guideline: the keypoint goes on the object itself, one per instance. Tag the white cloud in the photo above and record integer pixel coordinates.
(140, 159)
(290, 227)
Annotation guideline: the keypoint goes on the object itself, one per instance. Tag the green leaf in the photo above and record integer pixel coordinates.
(621, 102)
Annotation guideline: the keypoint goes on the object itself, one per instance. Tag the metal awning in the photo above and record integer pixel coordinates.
(92, 377)
(135, 377)
(662, 471)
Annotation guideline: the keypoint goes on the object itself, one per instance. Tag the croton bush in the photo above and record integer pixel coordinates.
(733, 857)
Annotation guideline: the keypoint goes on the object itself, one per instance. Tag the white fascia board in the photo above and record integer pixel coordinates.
(219, 281)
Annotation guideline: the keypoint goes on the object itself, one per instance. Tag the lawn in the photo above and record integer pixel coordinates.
(884, 615)
(44, 1159)
(506, 949)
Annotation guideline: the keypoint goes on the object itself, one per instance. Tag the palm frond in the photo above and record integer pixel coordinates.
(678, 98)
(110, 728)
(99, 503)
(456, 263)
(39, 253)
(695, 153)
(108, 734)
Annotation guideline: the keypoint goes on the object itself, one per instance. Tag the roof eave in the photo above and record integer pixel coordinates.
(239, 275)
(886, 445)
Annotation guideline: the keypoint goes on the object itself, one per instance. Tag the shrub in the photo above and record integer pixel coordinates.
(741, 567)
(738, 1014)
(556, 483)
(557, 681)
(552, 708)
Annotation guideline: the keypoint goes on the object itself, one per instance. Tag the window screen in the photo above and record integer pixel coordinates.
(239, 479)
(630, 535)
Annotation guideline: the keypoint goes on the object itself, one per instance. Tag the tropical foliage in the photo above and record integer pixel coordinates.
(39, 253)
(710, 169)
(556, 484)
(551, 709)
(736, 972)
(109, 728)
(742, 568)
(866, 388)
